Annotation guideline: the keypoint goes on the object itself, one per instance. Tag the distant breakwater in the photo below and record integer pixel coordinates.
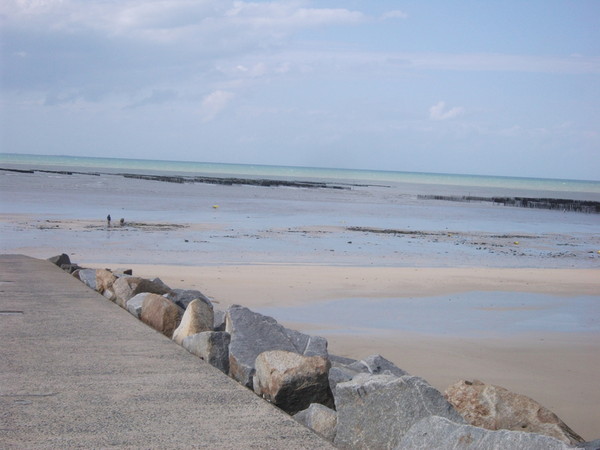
(561, 204)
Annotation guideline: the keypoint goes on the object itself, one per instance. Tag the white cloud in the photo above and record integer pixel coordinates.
(214, 103)
(397, 14)
(439, 112)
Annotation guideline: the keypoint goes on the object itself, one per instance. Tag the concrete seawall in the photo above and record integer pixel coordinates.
(78, 371)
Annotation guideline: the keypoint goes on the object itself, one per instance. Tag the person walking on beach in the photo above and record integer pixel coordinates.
(108, 220)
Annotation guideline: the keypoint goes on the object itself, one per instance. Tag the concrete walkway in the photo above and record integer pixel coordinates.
(78, 371)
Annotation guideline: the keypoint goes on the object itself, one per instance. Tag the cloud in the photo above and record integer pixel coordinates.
(438, 112)
(214, 103)
(397, 14)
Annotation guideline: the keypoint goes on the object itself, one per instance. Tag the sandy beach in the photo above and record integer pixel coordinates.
(445, 290)
(553, 368)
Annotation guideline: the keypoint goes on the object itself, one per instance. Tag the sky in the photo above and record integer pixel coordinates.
(489, 87)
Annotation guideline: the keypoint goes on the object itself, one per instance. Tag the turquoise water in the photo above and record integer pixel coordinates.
(287, 172)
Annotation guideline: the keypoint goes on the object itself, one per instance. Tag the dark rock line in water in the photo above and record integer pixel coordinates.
(228, 181)
(585, 206)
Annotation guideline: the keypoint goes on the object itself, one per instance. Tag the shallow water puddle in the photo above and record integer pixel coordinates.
(467, 313)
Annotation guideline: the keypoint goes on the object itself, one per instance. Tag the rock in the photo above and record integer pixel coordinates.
(127, 287)
(440, 433)
(122, 272)
(340, 360)
(591, 445)
(319, 418)
(198, 317)
(211, 346)
(87, 277)
(253, 334)
(183, 297)
(497, 408)
(59, 260)
(104, 280)
(375, 411)
(135, 303)
(70, 267)
(161, 284)
(219, 322)
(376, 365)
(291, 381)
(160, 313)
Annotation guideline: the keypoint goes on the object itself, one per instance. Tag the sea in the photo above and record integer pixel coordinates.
(579, 189)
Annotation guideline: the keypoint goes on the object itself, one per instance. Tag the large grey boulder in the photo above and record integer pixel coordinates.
(253, 334)
(319, 418)
(373, 364)
(291, 381)
(496, 408)
(211, 346)
(127, 287)
(375, 411)
(183, 297)
(377, 365)
(198, 317)
(438, 433)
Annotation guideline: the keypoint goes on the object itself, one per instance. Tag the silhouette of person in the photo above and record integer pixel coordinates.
(108, 220)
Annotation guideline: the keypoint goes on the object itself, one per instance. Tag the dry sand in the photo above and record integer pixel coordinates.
(560, 370)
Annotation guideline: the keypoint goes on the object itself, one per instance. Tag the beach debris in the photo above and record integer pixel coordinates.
(292, 381)
(440, 433)
(215, 206)
(211, 346)
(161, 314)
(496, 408)
(376, 411)
(198, 317)
(253, 334)
(319, 418)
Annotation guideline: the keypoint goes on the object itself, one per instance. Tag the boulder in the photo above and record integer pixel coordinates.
(87, 277)
(198, 317)
(292, 381)
(127, 287)
(134, 304)
(60, 260)
(211, 346)
(70, 267)
(438, 433)
(104, 280)
(160, 313)
(183, 297)
(377, 365)
(590, 445)
(219, 322)
(375, 411)
(253, 334)
(374, 365)
(497, 408)
(319, 418)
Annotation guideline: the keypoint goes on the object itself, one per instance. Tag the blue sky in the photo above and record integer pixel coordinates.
(483, 87)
